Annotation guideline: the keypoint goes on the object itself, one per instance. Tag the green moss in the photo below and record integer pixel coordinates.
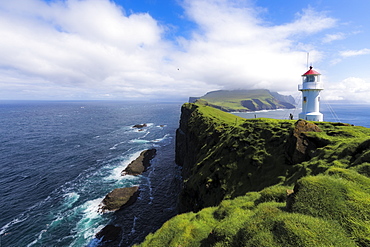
(342, 195)
(363, 169)
(183, 230)
(274, 194)
(239, 222)
(243, 169)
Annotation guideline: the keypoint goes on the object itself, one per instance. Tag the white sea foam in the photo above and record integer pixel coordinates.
(39, 237)
(87, 226)
(32, 243)
(140, 130)
(90, 208)
(70, 199)
(143, 141)
(20, 219)
(115, 173)
(140, 141)
(161, 139)
(116, 145)
(146, 134)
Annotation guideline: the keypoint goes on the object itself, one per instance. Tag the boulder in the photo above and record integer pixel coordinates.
(139, 126)
(299, 147)
(140, 165)
(119, 198)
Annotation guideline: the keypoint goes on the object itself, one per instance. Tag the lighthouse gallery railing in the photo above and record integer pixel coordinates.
(311, 85)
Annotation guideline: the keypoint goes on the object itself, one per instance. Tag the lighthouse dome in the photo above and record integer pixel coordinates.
(311, 72)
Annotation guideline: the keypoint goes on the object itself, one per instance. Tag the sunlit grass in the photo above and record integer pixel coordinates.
(242, 175)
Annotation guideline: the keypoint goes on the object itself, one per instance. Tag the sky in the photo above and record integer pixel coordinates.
(168, 50)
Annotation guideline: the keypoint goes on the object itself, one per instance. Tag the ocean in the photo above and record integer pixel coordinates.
(59, 159)
(351, 113)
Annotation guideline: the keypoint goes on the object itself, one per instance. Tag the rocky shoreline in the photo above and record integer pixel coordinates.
(121, 198)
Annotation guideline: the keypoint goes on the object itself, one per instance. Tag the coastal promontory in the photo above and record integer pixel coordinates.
(268, 182)
(245, 100)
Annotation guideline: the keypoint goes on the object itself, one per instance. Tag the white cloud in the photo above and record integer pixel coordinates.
(307, 22)
(333, 37)
(351, 53)
(352, 89)
(234, 49)
(93, 49)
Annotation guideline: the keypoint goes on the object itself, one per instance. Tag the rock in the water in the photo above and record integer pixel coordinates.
(109, 233)
(140, 165)
(119, 198)
(139, 126)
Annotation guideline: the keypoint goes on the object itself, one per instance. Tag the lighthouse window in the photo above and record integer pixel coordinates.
(311, 78)
(305, 99)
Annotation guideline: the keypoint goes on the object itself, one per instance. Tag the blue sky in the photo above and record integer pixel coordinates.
(170, 50)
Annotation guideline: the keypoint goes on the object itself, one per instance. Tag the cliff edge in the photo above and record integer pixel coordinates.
(224, 156)
(268, 182)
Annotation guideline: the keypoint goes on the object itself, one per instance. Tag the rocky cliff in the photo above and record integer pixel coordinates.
(224, 156)
(266, 182)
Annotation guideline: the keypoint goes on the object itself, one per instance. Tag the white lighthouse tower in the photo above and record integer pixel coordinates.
(311, 87)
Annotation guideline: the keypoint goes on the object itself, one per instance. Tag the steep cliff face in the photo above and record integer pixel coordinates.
(224, 156)
(265, 182)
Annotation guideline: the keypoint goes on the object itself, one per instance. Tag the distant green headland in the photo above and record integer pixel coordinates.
(268, 182)
(245, 100)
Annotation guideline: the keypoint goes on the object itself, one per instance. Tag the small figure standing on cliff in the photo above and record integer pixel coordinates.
(291, 116)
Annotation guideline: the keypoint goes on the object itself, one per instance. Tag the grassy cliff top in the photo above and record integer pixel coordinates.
(268, 182)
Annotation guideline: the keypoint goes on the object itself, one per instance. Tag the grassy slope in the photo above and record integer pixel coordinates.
(330, 205)
(232, 100)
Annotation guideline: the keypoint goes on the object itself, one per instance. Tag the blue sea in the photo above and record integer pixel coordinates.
(351, 113)
(59, 159)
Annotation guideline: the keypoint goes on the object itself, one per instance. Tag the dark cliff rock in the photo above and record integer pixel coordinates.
(139, 165)
(139, 126)
(186, 143)
(223, 160)
(270, 183)
(299, 147)
(258, 105)
(109, 233)
(119, 198)
(284, 98)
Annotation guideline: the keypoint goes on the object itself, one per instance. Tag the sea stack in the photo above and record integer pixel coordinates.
(118, 198)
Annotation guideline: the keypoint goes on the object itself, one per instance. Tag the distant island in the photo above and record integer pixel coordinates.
(245, 100)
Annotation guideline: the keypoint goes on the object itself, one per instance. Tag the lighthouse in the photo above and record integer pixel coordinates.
(311, 87)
